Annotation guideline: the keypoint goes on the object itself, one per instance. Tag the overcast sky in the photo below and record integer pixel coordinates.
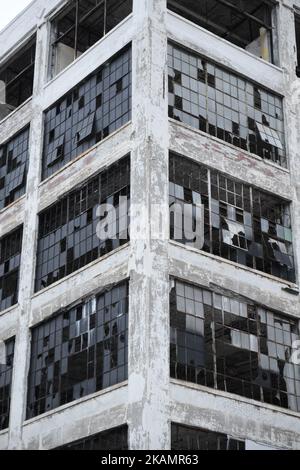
(10, 9)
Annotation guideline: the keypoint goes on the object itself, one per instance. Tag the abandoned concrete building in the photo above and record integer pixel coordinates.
(146, 341)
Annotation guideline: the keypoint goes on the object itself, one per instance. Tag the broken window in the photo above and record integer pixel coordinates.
(6, 371)
(14, 160)
(297, 30)
(68, 237)
(241, 223)
(16, 79)
(10, 260)
(80, 25)
(113, 439)
(90, 112)
(190, 438)
(229, 343)
(216, 101)
(79, 351)
(246, 24)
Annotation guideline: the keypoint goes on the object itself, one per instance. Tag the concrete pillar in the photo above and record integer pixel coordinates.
(148, 408)
(30, 231)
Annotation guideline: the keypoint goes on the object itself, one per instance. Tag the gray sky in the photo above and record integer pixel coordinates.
(10, 10)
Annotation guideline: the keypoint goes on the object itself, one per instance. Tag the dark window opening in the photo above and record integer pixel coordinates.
(80, 25)
(16, 79)
(190, 438)
(113, 439)
(10, 259)
(14, 160)
(241, 223)
(68, 237)
(79, 351)
(94, 109)
(6, 371)
(297, 31)
(246, 24)
(214, 100)
(230, 344)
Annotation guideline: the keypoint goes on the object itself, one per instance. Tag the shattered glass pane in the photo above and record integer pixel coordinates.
(79, 351)
(240, 348)
(91, 111)
(68, 237)
(10, 260)
(248, 226)
(225, 107)
(14, 160)
(6, 371)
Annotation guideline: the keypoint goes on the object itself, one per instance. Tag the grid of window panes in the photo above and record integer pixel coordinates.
(90, 112)
(113, 439)
(230, 344)
(190, 438)
(241, 223)
(6, 371)
(14, 158)
(80, 25)
(79, 351)
(68, 231)
(10, 259)
(210, 98)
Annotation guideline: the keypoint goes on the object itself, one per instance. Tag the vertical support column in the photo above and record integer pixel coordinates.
(288, 61)
(30, 230)
(148, 409)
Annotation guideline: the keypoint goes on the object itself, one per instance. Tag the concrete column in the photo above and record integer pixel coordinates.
(148, 409)
(30, 230)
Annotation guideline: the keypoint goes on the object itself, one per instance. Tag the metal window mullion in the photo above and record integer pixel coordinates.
(105, 17)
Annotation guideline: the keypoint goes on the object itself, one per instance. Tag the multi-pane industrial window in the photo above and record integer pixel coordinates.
(68, 231)
(80, 25)
(210, 98)
(6, 370)
(79, 351)
(10, 258)
(297, 32)
(113, 439)
(246, 24)
(14, 156)
(90, 112)
(16, 79)
(231, 344)
(190, 438)
(241, 223)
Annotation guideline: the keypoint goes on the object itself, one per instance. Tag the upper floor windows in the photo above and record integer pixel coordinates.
(95, 108)
(241, 223)
(68, 236)
(6, 371)
(14, 159)
(210, 98)
(234, 345)
(80, 25)
(79, 351)
(16, 79)
(247, 24)
(10, 260)
(297, 32)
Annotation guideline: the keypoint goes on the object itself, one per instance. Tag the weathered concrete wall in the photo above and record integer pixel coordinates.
(149, 401)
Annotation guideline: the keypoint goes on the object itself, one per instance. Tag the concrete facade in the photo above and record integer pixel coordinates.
(149, 401)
